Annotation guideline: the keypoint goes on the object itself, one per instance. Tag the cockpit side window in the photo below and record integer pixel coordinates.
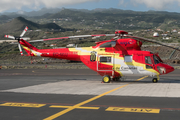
(156, 60)
(148, 60)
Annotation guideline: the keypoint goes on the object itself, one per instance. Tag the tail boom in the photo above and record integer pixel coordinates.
(61, 53)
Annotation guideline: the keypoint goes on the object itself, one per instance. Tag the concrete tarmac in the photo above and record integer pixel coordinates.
(80, 95)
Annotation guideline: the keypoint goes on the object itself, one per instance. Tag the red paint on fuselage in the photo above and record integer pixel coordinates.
(60, 53)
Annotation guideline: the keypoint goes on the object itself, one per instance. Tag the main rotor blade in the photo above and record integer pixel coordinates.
(20, 49)
(24, 31)
(152, 41)
(9, 36)
(72, 37)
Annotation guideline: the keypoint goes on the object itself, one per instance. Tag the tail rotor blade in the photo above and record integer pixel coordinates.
(9, 36)
(20, 49)
(22, 34)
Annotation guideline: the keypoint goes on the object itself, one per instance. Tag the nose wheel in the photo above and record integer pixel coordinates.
(106, 79)
(154, 80)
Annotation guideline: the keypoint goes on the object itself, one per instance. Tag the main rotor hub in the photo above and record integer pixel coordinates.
(121, 32)
(18, 38)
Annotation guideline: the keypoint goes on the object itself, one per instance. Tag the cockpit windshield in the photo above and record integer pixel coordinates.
(156, 59)
(108, 44)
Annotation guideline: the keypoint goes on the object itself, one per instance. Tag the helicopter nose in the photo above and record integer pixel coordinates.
(165, 69)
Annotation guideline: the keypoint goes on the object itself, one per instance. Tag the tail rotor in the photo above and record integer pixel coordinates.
(18, 38)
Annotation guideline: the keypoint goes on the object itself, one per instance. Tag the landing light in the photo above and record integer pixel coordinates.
(161, 70)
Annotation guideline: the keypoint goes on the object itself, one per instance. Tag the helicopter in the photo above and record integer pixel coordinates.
(112, 59)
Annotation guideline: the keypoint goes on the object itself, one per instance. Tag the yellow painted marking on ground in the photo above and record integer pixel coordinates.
(139, 110)
(87, 101)
(142, 78)
(22, 105)
(56, 106)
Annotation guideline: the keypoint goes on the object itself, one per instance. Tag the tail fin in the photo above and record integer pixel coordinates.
(31, 50)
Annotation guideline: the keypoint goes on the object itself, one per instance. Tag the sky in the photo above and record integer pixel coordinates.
(135, 5)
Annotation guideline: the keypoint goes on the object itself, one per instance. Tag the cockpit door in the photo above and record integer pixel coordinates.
(149, 62)
(148, 66)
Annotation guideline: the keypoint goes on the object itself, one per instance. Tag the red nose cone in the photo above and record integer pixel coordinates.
(164, 68)
(169, 69)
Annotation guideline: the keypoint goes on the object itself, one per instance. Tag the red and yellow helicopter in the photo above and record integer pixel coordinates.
(112, 59)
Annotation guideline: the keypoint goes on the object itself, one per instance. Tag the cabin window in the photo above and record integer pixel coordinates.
(128, 58)
(107, 44)
(149, 67)
(105, 59)
(148, 60)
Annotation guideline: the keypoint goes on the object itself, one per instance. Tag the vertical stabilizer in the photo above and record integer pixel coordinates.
(31, 50)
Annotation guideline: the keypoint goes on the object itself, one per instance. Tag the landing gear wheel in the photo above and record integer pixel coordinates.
(106, 79)
(155, 80)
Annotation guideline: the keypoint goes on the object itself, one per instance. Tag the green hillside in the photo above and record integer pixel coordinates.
(18, 24)
(113, 19)
(110, 19)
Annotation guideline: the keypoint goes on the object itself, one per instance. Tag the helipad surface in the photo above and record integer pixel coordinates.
(89, 87)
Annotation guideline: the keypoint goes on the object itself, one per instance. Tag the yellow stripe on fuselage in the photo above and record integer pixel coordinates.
(82, 50)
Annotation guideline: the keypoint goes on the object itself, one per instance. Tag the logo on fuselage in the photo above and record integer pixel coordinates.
(128, 68)
(127, 43)
(93, 56)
